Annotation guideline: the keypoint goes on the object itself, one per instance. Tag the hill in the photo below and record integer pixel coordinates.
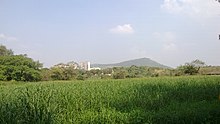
(137, 62)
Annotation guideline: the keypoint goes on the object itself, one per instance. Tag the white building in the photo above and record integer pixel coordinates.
(84, 65)
(87, 66)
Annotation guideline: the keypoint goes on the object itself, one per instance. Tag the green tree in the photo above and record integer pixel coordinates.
(107, 71)
(46, 74)
(134, 72)
(57, 73)
(192, 67)
(69, 73)
(119, 73)
(19, 68)
(198, 64)
(63, 73)
(4, 51)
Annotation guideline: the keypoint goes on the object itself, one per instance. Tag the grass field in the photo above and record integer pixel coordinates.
(193, 99)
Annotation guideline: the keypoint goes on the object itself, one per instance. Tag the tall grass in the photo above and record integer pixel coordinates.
(151, 100)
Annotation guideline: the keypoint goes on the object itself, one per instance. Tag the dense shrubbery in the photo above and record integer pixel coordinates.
(59, 73)
(18, 67)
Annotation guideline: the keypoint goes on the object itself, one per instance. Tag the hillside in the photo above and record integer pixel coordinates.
(137, 62)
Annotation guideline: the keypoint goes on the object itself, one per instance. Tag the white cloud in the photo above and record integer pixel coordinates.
(4, 37)
(201, 8)
(123, 29)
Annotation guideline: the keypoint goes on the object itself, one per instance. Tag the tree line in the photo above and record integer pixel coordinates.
(18, 67)
(23, 68)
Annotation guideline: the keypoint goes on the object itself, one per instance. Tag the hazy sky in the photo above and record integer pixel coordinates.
(170, 32)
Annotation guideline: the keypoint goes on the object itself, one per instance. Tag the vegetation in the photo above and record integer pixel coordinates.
(4, 51)
(210, 70)
(18, 67)
(136, 97)
(68, 73)
(191, 68)
(22, 68)
(191, 99)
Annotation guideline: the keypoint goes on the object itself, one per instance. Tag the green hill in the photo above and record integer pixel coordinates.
(138, 62)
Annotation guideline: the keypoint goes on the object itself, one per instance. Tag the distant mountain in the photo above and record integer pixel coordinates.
(138, 62)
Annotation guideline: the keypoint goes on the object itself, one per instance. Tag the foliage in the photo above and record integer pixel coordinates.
(80, 77)
(119, 73)
(191, 68)
(22, 68)
(192, 99)
(134, 72)
(19, 68)
(4, 51)
(45, 74)
(210, 70)
(70, 73)
(58, 73)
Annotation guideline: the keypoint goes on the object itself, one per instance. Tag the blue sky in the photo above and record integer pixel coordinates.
(170, 32)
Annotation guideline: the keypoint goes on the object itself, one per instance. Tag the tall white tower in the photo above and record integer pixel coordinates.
(88, 66)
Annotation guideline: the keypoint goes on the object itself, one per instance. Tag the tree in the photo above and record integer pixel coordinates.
(63, 73)
(133, 71)
(19, 68)
(198, 64)
(192, 67)
(187, 68)
(69, 73)
(4, 51)
(107, 71)
(119, 72)
(119, 75)
(46, 74)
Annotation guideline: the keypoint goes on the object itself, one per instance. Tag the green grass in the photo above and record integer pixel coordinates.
(152, 100)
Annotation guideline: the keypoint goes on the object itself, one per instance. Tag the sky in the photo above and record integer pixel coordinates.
(170, 32)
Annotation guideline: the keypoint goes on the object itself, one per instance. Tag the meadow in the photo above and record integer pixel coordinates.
(188, 99)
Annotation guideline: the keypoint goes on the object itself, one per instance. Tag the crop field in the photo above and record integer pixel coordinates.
(189, 99)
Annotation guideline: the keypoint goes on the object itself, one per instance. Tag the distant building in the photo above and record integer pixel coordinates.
(87, 66)
(72, 64)
(84, 65)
